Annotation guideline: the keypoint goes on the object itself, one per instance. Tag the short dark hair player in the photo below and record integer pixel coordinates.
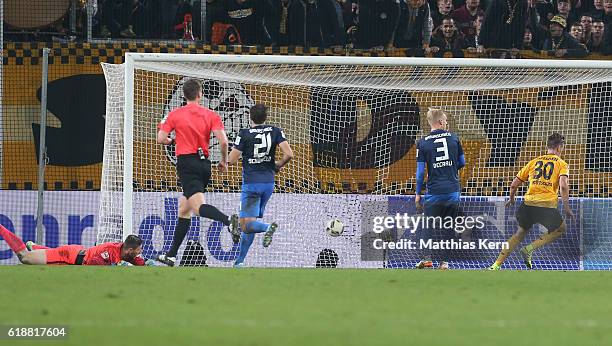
(257, 145)
(193, 125)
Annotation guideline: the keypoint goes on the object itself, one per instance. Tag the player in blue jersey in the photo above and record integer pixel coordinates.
(441, 154)
(257, 145)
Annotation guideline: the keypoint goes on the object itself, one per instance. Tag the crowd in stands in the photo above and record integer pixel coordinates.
(564, 28)
(571, 28)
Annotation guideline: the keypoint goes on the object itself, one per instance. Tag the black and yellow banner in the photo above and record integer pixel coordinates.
(344, 143)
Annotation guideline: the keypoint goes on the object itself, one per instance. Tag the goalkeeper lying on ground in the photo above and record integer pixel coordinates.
(125, 253)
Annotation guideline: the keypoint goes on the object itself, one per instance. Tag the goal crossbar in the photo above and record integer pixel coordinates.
(135, 58)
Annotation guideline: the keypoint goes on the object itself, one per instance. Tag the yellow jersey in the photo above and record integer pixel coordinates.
(543, 175)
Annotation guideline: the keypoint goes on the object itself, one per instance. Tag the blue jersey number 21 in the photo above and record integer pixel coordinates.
(262, 149)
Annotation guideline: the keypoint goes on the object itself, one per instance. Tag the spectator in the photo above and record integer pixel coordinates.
(560, 43)
(348, 12)
(459, 3)
(546, 10)
(289, 25)
(596, 43)
(415, 25)
(539, 31)
(528, 39)
(607, 41)
(314, 33)
(598, 9)
(248, 16)
(581, 7)
(145, 18)
(116, 19)
(586, 21)
(184, 8)
(378, 21)
(448, 39)
(352, 22)
(332, 23)
(444, 9)
(504, 24)
(323, 24)
(473, 41)
(576, 32)
(215, 13)
(564, 9)
(167, 11)
(607, 15)
(465, 16)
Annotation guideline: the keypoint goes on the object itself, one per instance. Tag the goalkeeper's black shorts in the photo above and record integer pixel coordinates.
(194, 173)
(528, 215)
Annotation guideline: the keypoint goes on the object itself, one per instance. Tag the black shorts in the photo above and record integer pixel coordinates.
(528, 215)
(194, 173)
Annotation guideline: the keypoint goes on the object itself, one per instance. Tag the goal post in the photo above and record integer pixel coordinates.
(355, 122)
(128, 146)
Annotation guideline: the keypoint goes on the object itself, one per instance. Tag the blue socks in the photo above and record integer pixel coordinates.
(246, 238)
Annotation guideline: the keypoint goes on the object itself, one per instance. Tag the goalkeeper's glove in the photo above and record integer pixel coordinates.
(124, 264)
(150, 262)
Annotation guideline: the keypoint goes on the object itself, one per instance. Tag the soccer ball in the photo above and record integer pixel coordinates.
(335, 227)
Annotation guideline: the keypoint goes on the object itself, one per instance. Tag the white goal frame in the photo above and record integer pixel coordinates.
(132, 61)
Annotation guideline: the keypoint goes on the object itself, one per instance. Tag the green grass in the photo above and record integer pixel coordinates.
(189, 306)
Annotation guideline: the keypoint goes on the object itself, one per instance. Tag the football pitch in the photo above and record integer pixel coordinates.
(208, 306)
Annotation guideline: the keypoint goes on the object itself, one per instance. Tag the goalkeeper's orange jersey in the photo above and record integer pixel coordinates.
(543, 175)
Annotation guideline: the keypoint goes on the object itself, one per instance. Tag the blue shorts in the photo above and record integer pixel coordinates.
(254, 198)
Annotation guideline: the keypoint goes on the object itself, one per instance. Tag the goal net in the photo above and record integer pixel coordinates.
(353, 124)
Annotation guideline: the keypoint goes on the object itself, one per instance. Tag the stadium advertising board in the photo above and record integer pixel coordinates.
(302, 238)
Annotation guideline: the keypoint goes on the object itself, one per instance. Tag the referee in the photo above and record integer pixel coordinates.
(193, 125)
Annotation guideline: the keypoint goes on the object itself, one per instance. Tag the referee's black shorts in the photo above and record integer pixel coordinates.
(194, 173)
(528, 215)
